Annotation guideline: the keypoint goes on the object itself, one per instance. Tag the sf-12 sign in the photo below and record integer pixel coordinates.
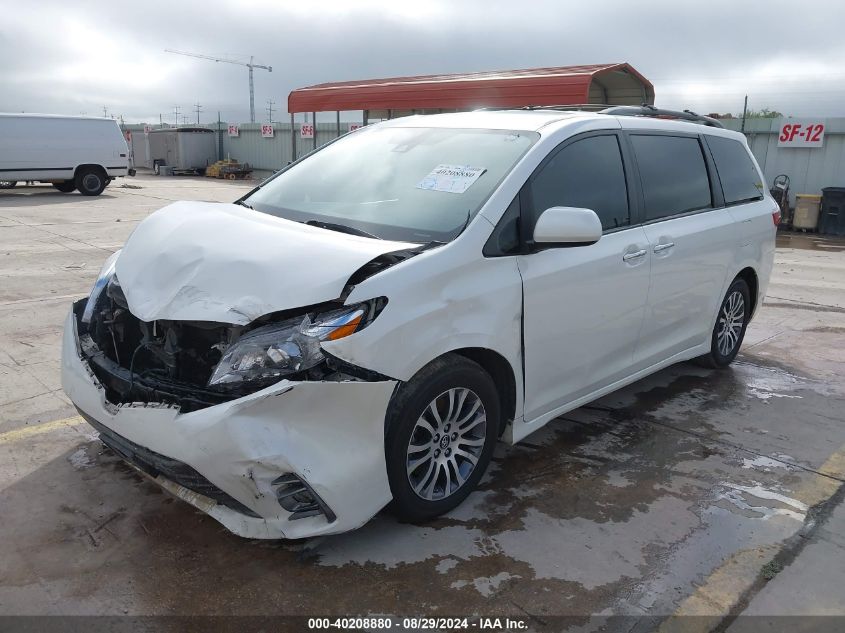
(234, 131)
(267, 131)
(801, 134)
(306, 130)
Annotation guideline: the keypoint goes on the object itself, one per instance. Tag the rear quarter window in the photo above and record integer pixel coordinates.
(739, 177)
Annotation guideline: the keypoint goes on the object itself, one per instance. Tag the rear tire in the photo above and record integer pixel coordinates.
(729, 330)
(8, 184)
(90, 181)
(65, 187)
(442, 426)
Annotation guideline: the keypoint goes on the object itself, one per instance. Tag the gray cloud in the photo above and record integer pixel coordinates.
(706, 57)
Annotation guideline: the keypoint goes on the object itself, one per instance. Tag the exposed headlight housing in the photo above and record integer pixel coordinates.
(105, 276)
(280, 349)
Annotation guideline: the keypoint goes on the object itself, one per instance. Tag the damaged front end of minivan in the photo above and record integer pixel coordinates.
(254, 424)
(196, 364)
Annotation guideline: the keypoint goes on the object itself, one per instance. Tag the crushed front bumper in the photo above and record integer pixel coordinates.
(236, 460)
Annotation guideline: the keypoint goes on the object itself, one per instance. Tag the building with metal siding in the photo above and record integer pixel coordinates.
(809, 169)
(612, 84)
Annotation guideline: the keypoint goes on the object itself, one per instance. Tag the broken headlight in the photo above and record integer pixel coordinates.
(105, 276)
(276, 350)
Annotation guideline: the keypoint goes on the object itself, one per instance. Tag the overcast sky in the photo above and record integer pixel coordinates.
(78, 57)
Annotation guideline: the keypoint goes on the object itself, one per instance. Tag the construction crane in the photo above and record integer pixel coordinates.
(249, 65)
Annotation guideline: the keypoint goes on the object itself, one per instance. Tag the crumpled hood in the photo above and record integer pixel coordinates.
(202, 261)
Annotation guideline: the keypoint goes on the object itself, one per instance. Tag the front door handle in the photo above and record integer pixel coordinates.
(663, 247)
(635, 255)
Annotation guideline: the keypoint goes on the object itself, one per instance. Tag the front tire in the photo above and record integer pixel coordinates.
(90, 181)
(731, 322)
(442, 426)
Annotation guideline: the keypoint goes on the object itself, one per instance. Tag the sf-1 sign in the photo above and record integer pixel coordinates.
(801, 134)
(306, 130)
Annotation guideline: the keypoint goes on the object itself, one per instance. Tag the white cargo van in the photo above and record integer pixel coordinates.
(71, 152)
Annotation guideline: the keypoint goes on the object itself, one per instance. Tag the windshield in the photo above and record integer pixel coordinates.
(406, 184)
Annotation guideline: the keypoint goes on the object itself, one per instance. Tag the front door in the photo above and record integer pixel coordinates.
(583, 305)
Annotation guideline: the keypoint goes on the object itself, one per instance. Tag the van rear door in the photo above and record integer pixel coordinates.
(692, 242)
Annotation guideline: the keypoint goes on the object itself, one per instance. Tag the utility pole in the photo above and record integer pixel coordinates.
(219, 138)
(176, 110)
(270, 104)
(105, 114)
(744, 112)
(251, 65)
(198, 109)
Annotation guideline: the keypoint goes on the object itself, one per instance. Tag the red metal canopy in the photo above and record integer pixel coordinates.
(613, 84)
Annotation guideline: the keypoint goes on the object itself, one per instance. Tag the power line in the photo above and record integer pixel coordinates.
(250, 65)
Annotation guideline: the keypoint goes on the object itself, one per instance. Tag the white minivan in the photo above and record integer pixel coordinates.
(70, 152)
(362, 328)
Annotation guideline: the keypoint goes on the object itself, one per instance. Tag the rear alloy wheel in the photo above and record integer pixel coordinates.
(90, 181)
(7, 184)
(65, 187)
(442, 427)
(730, 326)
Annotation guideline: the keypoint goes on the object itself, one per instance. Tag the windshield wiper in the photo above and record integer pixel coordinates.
(245, 204)
(341, 228)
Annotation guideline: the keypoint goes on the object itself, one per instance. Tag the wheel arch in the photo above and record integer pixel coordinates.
(500, 370)
(96, 166)
(749, 276)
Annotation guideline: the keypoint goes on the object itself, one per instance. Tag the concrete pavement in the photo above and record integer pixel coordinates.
(669, 497)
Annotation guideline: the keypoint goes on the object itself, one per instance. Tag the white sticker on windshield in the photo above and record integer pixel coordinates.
(451, 178)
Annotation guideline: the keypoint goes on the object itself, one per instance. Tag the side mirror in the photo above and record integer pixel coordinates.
(567, 225)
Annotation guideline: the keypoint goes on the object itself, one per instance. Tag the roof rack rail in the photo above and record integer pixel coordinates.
(646, 110)
(590, 107)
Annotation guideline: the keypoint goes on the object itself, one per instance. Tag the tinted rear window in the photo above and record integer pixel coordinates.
(673, 174)
(740, 180)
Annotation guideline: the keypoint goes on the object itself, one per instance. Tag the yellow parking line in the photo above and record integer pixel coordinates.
(17, 435)
(721, 590)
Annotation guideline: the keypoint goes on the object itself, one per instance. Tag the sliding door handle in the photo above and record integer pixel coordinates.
(635, 255)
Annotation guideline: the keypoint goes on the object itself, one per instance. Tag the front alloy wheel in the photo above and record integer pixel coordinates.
(446, 444)
(442, 426)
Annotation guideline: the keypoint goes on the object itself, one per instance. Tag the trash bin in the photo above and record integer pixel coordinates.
(832, 217)
(806, 215)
